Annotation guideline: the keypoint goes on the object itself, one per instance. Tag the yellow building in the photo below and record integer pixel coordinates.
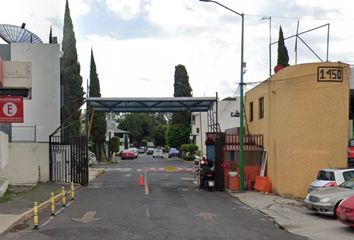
(303, 113)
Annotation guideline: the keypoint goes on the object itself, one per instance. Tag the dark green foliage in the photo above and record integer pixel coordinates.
(71, 80)
(99, 124)
(178, 134)
(126, 142)
(283, 57)
(159, 135)
(179, 131)
(181, 89)
(138, 124)
(114, 144)
(50, 35)
(188, 151)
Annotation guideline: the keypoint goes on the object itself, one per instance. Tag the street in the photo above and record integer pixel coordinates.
(116, 206)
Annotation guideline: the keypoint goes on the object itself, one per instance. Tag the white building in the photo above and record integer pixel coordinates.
(35, 67)
(226, 116)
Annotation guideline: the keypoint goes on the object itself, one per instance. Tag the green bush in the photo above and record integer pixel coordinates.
(188, 151)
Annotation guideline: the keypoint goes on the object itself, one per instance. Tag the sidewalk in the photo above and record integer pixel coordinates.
(293, 216)
(19, 208)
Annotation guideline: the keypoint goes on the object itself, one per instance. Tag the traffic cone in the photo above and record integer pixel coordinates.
(141, 180)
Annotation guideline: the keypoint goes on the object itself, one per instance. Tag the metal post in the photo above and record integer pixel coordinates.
(72, 193)
(52, 206)
(242, 147)
(63, 198)
(35, 216)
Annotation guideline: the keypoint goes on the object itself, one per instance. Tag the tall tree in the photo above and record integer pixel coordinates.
(70, 79)
(283, 57)
(180, 120)
(181, 89)
(50, 35)
(99, 124)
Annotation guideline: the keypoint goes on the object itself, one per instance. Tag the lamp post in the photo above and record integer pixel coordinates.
(242, 147)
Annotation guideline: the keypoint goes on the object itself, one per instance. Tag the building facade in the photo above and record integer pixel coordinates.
(226, 114)
(303, 113)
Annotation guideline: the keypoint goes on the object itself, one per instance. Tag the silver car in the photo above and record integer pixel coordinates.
(326, 201)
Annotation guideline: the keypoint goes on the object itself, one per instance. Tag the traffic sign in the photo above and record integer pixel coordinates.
(11, 109)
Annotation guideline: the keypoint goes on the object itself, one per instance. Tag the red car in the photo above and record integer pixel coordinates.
(345, 211)
(127, 154)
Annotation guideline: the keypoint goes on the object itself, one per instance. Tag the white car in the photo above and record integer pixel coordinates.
(331, 177)
(158, 153)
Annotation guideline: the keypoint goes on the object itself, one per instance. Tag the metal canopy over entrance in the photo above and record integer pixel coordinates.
(174, 104)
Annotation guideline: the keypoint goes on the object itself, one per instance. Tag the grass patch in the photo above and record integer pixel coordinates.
(13, 191)
(8, 195)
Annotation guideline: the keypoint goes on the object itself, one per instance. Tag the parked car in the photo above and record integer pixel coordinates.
(91, 158)
(135, 151)
(127, 154)
(331, 178)
(174, 152)
(150, 151)
(345, 211)
(141, 150)
(158, 153)
(326, 201)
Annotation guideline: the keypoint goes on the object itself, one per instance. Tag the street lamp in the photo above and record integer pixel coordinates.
(242, 147)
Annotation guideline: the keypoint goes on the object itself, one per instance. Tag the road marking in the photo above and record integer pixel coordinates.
(119, 169)
(167, 169)
(127, 175)
(87, 218)
(56, 214)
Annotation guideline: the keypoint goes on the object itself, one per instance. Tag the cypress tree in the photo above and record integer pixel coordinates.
(99, 124)
(283, 57)
(71, 80)
(181, 89)
(181, 120)
(50, 35)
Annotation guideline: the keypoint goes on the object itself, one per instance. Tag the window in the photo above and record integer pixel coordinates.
(261, 107)
(197, 130)
(251, 111)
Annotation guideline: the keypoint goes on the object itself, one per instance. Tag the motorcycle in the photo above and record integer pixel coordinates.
(207, 175)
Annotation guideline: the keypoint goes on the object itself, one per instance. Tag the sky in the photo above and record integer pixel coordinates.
(138, 43)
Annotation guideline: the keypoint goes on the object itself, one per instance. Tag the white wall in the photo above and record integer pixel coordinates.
(43, 110)
(224, 118)
(28, 163)
(4, 150)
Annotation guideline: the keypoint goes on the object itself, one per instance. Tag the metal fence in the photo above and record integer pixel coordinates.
(68, 159)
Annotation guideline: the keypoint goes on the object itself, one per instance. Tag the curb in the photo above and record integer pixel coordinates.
(44, 205)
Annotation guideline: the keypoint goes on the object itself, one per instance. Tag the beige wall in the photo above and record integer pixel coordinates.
(305, 126)
(28, 163)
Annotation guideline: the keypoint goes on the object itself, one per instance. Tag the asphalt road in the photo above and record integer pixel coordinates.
(115, 206)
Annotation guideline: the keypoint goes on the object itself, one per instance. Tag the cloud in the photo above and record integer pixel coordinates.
(126, 9)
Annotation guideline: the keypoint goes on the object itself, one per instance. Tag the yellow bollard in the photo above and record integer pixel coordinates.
(63, 199)
(52, 206)
(35, 216)
(72, 191)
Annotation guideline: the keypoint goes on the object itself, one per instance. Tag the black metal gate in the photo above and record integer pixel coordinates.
(219, 161)
(68, 158)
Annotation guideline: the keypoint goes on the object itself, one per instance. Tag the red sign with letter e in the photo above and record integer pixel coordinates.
(11, 109)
